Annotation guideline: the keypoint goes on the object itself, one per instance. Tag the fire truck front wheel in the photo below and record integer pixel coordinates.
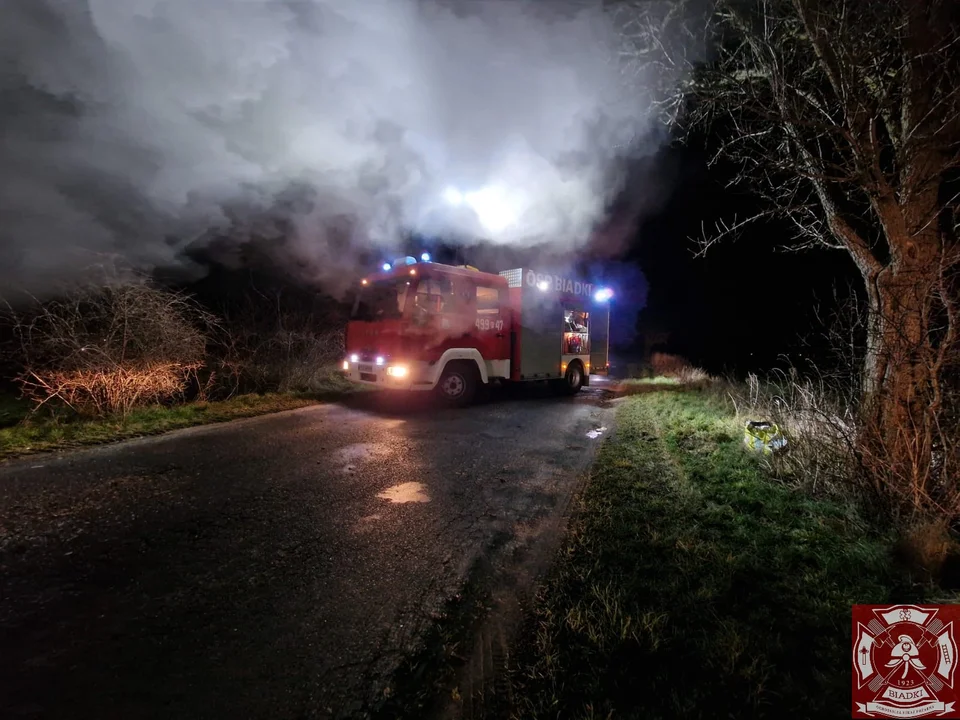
(458, 383)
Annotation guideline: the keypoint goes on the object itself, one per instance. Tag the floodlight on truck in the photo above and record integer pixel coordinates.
(603, 294)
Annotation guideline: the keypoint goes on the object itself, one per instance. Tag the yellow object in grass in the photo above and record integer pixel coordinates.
(763, 436)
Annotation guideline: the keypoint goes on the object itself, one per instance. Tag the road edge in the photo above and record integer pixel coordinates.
(160, 436)
(481, 687)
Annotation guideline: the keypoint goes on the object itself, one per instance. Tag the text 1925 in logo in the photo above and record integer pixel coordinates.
(904, 657)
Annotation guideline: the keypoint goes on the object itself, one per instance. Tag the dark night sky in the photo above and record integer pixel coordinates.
(747, 302)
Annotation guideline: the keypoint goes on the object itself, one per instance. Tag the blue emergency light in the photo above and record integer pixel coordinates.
(406, 260)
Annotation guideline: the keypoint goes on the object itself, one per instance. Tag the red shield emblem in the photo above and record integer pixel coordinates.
(904, 658)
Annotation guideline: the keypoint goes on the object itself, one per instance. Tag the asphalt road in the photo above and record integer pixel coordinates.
(279, 567)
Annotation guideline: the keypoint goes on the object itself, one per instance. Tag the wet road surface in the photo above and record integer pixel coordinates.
(276, 567)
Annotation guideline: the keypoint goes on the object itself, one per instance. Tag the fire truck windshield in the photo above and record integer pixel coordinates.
(381, 300)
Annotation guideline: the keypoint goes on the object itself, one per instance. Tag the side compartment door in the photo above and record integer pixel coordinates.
(492, 322)
(600, 340)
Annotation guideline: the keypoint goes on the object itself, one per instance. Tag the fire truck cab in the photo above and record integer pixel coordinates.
(423, 326)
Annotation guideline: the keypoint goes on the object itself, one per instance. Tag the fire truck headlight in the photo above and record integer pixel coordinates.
(346, 364)
(380, 360)
(397, 371)
(354, 358)
(603, 294)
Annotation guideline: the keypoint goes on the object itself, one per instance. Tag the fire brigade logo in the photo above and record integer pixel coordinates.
(904, 657)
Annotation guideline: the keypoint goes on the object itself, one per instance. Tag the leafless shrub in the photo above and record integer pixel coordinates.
(835, 447)
(915, 468)
(104, 350)
(269, 344)
(297, 360)
(693, 375)
(820, 424)
(676, 367)
(668, 365)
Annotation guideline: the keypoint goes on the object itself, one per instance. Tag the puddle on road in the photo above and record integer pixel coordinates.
(357, 451)
(406, 493)
(351, 458)
(595, 433)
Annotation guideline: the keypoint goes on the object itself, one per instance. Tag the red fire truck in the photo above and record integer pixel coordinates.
(424, 326)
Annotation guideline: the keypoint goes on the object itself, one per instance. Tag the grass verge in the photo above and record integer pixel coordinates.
(692, 586)
(23, 434)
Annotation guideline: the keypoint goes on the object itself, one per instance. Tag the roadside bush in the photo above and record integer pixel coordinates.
(275, 344)
(676, 367)
(103, 350)
(285, 360)
(668, 365)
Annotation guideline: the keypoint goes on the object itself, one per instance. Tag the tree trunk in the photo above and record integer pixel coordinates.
(901, 379)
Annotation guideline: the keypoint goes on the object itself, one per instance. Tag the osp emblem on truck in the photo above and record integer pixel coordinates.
(904, 658)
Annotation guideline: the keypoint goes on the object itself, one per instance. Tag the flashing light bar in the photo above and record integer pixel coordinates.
(406, 260)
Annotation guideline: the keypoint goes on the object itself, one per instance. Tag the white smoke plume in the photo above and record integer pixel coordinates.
(138, 127)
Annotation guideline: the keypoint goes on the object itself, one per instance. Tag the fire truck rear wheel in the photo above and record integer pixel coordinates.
(458, 383)
(572, 381)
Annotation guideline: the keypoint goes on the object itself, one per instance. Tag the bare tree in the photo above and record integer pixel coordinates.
(844, 116)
